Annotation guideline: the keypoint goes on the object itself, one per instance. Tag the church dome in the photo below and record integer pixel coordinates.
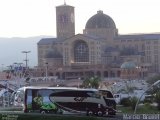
(128, 65)
(100, 20)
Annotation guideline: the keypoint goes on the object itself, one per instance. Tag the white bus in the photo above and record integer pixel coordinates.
(60, 99)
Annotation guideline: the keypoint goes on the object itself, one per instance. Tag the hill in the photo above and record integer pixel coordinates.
(11, 50)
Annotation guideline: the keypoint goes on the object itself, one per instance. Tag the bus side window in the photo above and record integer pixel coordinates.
(94, 94)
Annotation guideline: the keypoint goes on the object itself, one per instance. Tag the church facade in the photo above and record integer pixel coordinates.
(100, 50)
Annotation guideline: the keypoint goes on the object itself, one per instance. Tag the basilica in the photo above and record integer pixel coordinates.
(99, 51)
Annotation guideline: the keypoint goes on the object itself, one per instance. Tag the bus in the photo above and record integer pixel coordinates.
(62, 99)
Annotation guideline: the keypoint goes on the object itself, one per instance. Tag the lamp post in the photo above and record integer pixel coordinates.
(79, 81)
(154, 84)
(46, 70)
(2, 67)
(114, 87)
(138, 72)
(26, 52)
(18, 73)
(10, 68)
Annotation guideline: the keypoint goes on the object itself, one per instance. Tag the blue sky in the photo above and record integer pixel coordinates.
(28, 18)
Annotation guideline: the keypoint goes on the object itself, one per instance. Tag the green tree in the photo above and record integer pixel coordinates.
(155, 91)
(157, 99)
(129, 89)
(125, 102)
(133, 101)
(153, 79)
(92, 82)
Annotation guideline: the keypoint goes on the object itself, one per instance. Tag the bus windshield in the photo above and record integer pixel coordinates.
(106, 93)
(19, 98)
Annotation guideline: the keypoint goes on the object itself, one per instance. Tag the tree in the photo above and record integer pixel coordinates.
(153, 79)
(92, 82)
(133, 102)
(157, 99)
(129, 89)
(125, 102)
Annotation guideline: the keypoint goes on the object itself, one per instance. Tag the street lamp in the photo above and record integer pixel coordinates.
(140, 70)
(9, 71)
(26, 52)
(154, 84)
(46, 70)
(2, 67)
(79, 81)
(114, 87)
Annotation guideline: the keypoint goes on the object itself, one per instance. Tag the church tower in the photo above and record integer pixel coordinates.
(65, 21)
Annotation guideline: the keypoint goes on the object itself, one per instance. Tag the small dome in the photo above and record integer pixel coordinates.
(100, 20)
(128, 65)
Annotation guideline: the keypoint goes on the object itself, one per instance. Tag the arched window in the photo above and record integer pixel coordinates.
(81, 51)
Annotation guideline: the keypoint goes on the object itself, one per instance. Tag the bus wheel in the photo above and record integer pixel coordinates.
(89, 113)
(43, 111)
(100, 113)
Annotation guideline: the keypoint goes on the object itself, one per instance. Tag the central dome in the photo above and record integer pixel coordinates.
(100, 20)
